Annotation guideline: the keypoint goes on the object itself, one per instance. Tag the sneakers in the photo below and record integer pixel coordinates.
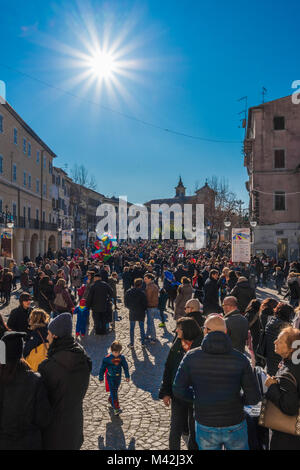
(117, 412)
(162, 325)
(131, 346)
(77, 334)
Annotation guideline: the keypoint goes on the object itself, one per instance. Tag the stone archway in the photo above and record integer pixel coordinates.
(34, 246)
(52, 243)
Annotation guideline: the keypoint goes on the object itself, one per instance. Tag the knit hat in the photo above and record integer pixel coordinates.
(82, 302)
(13, 345)
(61, 325)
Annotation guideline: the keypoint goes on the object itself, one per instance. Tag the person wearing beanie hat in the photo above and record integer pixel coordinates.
(66, 373)
(61, 325)
(82, 313)
(18, 318)
(25, 408)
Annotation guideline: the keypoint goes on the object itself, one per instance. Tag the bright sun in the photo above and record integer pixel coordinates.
(102, 65)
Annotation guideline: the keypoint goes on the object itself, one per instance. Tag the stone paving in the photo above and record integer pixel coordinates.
(144, 422)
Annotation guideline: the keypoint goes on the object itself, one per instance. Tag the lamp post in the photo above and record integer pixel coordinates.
(253, 224)
(227, 224)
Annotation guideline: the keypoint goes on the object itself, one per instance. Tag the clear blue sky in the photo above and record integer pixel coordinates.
(185, 63)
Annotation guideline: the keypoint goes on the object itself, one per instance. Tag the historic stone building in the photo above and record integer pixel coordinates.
(25, 181)
(272, 158)
(204, 195)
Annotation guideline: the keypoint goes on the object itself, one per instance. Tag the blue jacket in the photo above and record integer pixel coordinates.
(217, 374)
(114, 366)
(81, 311)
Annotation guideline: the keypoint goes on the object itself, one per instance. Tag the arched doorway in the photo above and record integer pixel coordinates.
(34, 246)
(52, 243)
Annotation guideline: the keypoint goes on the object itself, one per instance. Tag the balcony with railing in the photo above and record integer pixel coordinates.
(24, 222)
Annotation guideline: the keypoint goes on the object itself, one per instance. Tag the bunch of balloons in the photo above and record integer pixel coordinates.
(104, 246)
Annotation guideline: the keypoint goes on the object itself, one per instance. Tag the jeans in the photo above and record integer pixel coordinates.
(114, 384)
(231, 437)
(142, 330)
(151, 312)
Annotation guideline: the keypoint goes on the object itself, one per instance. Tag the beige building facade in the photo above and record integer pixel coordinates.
(272, 158)
(25, 183)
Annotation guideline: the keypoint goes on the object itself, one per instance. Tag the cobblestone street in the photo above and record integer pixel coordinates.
(144, 422)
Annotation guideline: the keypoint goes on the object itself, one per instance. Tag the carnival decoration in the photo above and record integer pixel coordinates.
(104, 246)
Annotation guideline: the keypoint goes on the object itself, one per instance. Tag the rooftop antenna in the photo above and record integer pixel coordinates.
(244, 111)
(264, 92)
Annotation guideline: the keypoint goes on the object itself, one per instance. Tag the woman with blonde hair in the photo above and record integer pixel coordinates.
(36, 347)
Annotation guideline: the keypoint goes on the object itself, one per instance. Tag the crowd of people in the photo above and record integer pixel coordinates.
(225, 340)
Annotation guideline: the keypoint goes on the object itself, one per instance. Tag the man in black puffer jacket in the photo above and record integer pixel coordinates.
(243, 292)
(136, 301)
(98, 300)
(66, 374)
(217, 373)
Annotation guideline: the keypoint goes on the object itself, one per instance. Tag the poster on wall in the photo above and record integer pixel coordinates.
(66, 241)
(241, 245)
(6, 242)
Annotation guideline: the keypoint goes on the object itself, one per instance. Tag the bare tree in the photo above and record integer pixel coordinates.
(227, 206)
(80, 175)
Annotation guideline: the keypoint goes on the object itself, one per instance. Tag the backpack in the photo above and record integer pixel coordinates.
(37, 355)
(59, 301)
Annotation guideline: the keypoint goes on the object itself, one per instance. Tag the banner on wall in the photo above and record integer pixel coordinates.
(66, 241)
(6, 237)
(241, 245)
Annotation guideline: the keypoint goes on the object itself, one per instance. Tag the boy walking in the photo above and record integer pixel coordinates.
(112, 366)
(82, 313)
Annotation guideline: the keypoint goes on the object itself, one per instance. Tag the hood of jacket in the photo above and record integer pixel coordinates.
(243, 284)
(216, 342)
(66, 352)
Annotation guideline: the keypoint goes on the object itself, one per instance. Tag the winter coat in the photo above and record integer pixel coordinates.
(45, 296)
(244, 294)
(294, 288)
(273, 328)
(198, 317)
(174, 358)
(99, 297)
(152, 292)
(113, 284)
(286, 397)
(211, 297)
(162, 299)
(127, 280)
(254, 328)
(136, 301)
(18, 319)
(76, 277)
(67, 298)
(237, 329)
(25, 411)
(184, 293)
(217, 373)
(7, 282)
(34, 339)
(66, 373)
